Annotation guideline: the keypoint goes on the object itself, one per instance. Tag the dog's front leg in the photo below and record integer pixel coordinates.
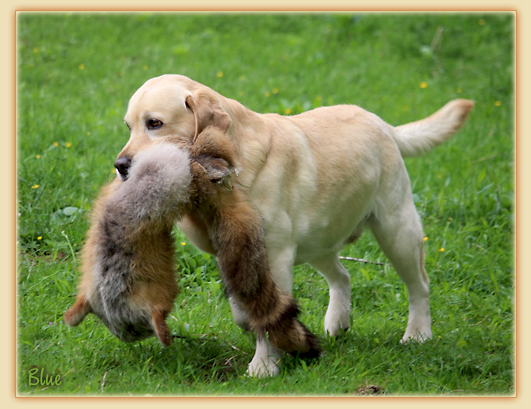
(281, 267)
(272, 313)
(238, 314)
(267, 358)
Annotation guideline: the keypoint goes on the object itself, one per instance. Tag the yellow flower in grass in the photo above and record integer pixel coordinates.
(56, 144)
(267, 94)
(423, 84)
(426, 238)
(38, 156)
(441, 250)
(39, 238)
(287, 111)
(35, 186)
(183, 243)
(81, 66)
(497, 103)
(35, 50)
(68, 144)
(219, 74)
(275, 90)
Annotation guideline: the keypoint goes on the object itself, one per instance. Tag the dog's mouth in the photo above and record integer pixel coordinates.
(121, 176)
(122, 166)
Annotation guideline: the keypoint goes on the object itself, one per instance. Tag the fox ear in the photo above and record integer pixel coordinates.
(78, 311)
(161, 328)
(213, 150)
(218, 170)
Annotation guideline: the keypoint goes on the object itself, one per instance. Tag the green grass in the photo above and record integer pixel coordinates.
(76, 73)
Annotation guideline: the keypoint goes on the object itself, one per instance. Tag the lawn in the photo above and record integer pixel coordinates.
(76, 72)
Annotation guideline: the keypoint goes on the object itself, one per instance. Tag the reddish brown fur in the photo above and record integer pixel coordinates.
(235, 230)
(153, 287)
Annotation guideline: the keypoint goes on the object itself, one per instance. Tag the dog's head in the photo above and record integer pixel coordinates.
(170, 108)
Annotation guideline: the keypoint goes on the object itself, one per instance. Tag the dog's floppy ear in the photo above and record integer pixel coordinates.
(207, 111)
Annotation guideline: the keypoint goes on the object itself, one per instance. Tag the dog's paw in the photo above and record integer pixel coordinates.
(337, 320)
(418, 327)
(335, 330)
(261, 367)
(416, 336)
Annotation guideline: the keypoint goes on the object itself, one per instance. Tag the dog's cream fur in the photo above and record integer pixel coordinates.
(316, 179)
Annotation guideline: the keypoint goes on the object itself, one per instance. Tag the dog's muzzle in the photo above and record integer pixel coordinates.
(122, 166)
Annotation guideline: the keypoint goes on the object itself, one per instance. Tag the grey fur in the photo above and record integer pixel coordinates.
(159, 179)
(150, 198)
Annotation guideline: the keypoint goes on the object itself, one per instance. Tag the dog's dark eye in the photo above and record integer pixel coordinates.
(153, 124)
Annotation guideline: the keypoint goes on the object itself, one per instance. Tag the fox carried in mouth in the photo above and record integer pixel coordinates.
(128, 261)
(306, 185)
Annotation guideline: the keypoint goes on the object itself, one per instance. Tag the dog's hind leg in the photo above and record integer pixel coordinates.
(399, 234)
(337, 318)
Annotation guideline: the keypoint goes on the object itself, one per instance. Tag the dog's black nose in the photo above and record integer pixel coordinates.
(122, 165)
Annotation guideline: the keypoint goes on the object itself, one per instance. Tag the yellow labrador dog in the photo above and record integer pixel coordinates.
(316, 179)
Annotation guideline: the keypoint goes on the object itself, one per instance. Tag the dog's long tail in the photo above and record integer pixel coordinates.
(419, 137)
